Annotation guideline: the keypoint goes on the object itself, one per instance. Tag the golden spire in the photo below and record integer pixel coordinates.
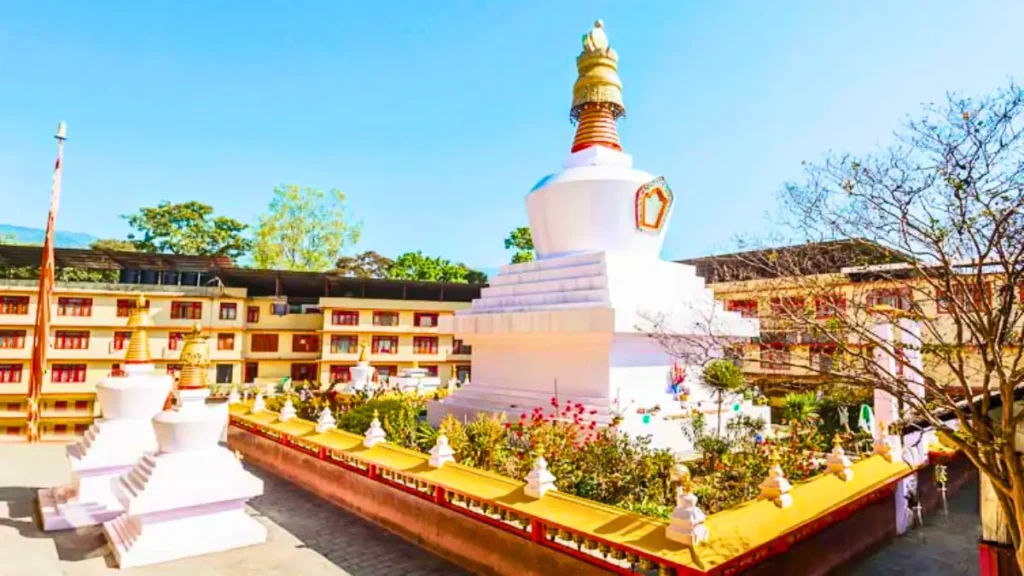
(415, 364)
(597, 94)
(138, 344)
(837, 441)
(195, 361)
(362, 352)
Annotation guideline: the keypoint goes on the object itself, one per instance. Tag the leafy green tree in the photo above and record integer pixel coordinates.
(303, 229)
(113, 245)
(800, 406)
(188, 228)
(521, 241)
(723, 377)
(416, 266)
(367, 264)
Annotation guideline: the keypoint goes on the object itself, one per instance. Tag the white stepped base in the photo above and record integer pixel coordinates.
(183, 537)
(61, 509)
(112, 443)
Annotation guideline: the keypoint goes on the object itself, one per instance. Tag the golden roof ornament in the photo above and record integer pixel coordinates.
(597, 95)
(195, 360)
(138, 343)
(362, 352)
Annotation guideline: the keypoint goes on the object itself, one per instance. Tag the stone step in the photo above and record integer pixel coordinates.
(542, 299)
(550, 274)
(548, 263)
(543, 286)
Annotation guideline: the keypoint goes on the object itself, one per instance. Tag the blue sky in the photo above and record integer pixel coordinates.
(437, 117)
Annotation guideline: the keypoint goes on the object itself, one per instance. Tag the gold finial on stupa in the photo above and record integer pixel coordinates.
(538, 447)
(195, 360)
(415, 364)
(362, 352)
(138, 344)
(837, 441)
(597, 94)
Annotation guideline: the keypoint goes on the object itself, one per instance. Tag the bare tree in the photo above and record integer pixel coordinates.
(930, 229)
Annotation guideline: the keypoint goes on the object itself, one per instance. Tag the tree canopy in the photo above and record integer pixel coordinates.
(521, 241)
(416, 266)
(113, 245)
(367, 264)
(303, 229)
(188, 228)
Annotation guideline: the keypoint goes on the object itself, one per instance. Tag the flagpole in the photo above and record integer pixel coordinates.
(41, 335)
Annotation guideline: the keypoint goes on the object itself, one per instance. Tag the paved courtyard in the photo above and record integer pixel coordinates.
(307, 535)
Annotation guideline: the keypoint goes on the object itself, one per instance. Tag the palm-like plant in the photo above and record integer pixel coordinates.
(724, 377)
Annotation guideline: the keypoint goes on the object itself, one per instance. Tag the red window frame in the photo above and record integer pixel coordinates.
(876, 296)
(775, 357)
(820, 352)
(175, 340)
(10, 373)
(60, 429)
(81, 429)
(263, 343)
(79, 307)
(81, 405)
(115, 370)
(832, 306)
(228, 311)
(340, 373)
(225, 341)
(460, 347)
(186, 310)
(305, 343)
(125, 307)
(302, 371)
(746, 308)
(173, 370)
(252, 314)
(71, 340)
(345, 317)
(68, 373)
(14, 305)
(377, 348)
(788, 305)
(12, 339)
(60, 405)
(419, 317)
(977, 296)
(338, 339)
(424, 344)
(121, 340)
(431, 370)
(380, 315)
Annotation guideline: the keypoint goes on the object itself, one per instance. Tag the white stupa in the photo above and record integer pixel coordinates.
(362, 373)
(189, 497)
(575, 324)
(115, 442)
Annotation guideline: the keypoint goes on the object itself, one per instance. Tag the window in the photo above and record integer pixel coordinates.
(66, 373)
(264, 343)
(252, 314)
(125, 307)
(228, 311)
(431, 370)
(385, 372)
(174, 370)
(12, 338)
(14, 305)
(81, 429)
(81, 405)
(74, 307)
(898, 298)
(344, 344)
(788, 306)
(225, 341)
(340, 374)
(304, 372)
(174, 340)
(385, 345)
(775, 357)
(251, 372)
(225, 373)
(746, 308)
(187, 310)
(823, 358)
(462, 372)
(115, 370)
(60, 406)
(13, 431)
(424, 345)
(832, 306)
(425, 320)
(385, 318)
(60, 429)
(279, 309)
(305, 343)
(71, 340)
(121, 340)
(13, 407)
(10, 373)
(345, 317)
(460, 347)
(969, 297)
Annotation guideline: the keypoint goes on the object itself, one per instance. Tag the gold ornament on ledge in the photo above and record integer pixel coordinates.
(195, 361)
(139, 321)
(362, 352)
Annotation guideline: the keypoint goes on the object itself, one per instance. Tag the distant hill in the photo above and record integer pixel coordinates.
(61, 239)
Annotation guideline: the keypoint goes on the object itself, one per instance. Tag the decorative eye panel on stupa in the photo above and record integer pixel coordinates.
(653, 201)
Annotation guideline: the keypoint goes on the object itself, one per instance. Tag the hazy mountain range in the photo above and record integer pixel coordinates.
(61, 239)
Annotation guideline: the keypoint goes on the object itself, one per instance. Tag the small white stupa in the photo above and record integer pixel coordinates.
(416, 379)
(189, 497)
(362, 373)
(115, 442)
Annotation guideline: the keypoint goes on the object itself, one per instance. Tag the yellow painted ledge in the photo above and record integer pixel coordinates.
(733, 532)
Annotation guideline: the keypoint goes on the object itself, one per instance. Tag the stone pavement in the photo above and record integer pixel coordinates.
(945, 545)
(307, 536)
